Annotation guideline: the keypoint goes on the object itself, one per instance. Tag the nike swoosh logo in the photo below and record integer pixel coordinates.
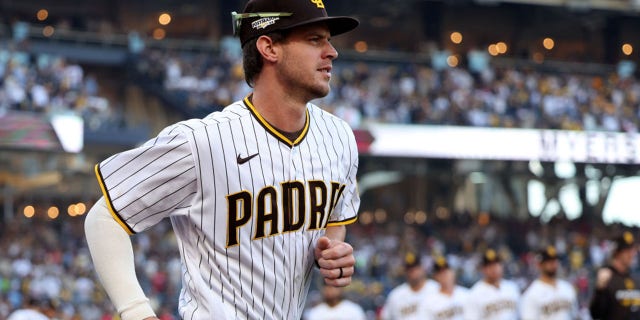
(242, 160)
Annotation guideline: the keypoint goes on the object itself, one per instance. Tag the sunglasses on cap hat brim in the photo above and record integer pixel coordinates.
(236, 18)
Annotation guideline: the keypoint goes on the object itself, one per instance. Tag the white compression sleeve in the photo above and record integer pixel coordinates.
(112, 254)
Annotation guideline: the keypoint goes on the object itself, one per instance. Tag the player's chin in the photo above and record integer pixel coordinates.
(320, 91)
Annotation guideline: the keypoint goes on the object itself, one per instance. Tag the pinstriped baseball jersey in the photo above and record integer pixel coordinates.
(246, 203)
(403, 303)
(543, 301)
(441, 306)
(486, 301)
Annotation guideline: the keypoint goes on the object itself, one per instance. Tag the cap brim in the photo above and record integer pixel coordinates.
(337, 25)
(487, 263)
(438, 269)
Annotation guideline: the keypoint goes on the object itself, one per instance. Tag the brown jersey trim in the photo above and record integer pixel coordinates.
(343, 222)
(273, 131)
(107, 199)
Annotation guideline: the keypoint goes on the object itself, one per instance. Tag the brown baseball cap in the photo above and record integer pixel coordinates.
(547, 254)
(440, 263)
(490, 256)
(412, 259)
(263, 16)
(624, 241)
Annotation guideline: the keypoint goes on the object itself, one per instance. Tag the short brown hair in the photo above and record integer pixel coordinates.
(252, 59)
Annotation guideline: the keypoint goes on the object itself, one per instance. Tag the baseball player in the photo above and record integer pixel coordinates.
(617, 293)
(549, 298)
(257, 194)
(404, 301)
(335, 307)
(447, 302)
(492, 297)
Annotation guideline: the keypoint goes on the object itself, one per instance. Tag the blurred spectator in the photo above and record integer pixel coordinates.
(46, 84)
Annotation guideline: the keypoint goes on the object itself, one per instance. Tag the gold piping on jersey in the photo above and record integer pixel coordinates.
(107, 199)
(343, 222)
(275, 131)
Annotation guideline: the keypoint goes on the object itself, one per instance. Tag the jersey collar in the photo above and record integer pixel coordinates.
(273, 131)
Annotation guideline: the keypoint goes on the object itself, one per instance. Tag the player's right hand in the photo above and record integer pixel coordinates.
(602, 278)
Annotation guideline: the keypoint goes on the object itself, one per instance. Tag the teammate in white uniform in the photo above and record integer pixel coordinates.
(255, 193)
(447, 302)
(549, 298)
(404, 301)
(335, 307)
(33, 309)
(27, 314)
(492, 298)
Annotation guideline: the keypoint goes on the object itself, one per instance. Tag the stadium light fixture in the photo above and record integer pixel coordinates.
(365, 218)
(53, 212)
(159, 33)
(81, 208)
(29, 211)
(164, 19)
(493, 49)
(380, 216)
(42, 14)
(361, 46)
(452, 61)
(48, 31)
(502, 47)
(421, 217)
(456, 37)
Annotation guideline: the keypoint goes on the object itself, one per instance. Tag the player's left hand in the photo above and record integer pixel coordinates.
(336, 261)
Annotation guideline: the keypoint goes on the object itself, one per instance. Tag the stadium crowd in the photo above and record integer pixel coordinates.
(45, 84)
(409, 93)
(48, 260)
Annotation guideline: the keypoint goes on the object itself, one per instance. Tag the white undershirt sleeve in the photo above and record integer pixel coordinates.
(112, 254)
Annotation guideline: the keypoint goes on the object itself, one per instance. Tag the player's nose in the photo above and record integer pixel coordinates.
(330, 51)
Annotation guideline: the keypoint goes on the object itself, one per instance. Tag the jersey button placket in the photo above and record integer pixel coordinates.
(292, 168)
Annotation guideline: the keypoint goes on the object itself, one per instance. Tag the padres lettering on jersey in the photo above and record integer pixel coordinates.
(441, 306)
(497, 307)
(247, 205)
(450, 313)
(294, 217)
(409, 310)
(555, 307)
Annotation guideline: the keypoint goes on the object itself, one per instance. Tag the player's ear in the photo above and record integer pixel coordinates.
(267, 48)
